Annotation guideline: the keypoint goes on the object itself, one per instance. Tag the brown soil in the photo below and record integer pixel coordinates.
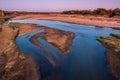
(113, 53)
(15, 65)
(25, 28)
(114, 62)
(62, 40)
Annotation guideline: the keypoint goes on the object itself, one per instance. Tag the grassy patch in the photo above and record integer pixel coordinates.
(12, 24)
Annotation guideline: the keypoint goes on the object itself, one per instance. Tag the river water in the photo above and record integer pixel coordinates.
(86, 60)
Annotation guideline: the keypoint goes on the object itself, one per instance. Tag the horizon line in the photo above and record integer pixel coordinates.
(55, 11)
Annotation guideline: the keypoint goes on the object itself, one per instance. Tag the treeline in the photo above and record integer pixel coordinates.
(25, 12)
(98, 11)
(5, 16)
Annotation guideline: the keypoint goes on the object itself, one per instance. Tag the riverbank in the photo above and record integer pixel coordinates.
(60, 39)
(26, 28)
(113, 52)
(11, 58)
(98, 21)
(14, 63)
(81, 48)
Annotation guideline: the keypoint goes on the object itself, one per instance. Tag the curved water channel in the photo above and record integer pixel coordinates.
(86, 60)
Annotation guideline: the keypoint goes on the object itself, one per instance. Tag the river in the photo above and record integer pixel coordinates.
(86, 60)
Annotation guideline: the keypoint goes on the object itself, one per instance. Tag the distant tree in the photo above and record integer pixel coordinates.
(109, 12)
(100, 11)
(115, 12)
(67, 12)
(83, 12)
(86, 12)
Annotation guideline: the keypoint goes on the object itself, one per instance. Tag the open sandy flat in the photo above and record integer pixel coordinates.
(79, 19)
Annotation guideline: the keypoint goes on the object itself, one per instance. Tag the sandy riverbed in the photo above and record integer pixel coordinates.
(14, 63)
(79, 19)
(60, 39)
(113, 52)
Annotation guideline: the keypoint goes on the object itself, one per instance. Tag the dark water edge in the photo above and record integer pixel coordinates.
(86, 60)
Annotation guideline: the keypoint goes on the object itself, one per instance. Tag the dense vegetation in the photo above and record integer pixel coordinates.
(98, 11)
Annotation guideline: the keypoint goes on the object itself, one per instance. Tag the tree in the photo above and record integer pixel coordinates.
(115, 12)
(100, 11)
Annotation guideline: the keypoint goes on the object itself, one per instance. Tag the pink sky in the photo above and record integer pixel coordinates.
(56, 5)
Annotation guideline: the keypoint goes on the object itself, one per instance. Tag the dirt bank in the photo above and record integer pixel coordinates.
(25, 28)
(79, 19)
(15, 65)
(62, 40)
(113, 53)
(114, 62)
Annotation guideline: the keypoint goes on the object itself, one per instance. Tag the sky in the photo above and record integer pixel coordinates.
(56, 5)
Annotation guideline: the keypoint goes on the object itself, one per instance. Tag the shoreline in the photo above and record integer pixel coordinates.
(113, 61)
(75, 19)
(14, 62)
(60, 39)
(112, 52)
(28, 28)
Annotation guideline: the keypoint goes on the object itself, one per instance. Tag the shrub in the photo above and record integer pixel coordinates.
(98, 11)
